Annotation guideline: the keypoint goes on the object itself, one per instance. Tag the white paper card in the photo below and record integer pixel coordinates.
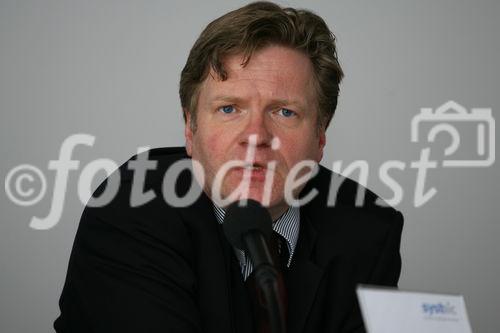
(394, 311)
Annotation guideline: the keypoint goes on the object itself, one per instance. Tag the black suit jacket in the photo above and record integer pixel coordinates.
(156, 268)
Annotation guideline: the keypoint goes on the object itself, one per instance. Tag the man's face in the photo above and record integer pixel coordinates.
(272, 97)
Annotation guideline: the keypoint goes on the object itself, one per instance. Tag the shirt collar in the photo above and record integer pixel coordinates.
(287, 225)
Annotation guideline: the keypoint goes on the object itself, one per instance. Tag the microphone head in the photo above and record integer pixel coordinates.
(243, 218)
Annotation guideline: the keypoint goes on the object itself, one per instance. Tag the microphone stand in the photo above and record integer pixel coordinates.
(266, 278)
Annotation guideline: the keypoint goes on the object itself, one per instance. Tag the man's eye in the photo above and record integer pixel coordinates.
(286, 113)
(227, 109)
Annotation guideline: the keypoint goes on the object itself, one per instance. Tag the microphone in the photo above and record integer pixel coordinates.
(248, 226)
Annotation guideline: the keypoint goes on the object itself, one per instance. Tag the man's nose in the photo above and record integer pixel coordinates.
(257, 125)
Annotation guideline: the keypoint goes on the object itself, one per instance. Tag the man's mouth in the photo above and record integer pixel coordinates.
(254, 166)
(256, 171)
(258, 166)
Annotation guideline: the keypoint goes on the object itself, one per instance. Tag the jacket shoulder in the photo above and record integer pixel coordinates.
(337, 190)
(134, 206)
(339, 195)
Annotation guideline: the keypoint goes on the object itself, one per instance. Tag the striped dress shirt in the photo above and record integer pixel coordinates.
(287, 226)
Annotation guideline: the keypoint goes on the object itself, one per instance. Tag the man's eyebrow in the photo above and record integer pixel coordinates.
(295, 103)
(227, 98)
(238, 100)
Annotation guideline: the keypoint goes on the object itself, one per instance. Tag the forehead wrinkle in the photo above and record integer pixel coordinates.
(273, 78)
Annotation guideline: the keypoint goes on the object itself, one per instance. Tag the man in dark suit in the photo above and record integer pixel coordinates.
(259, 89)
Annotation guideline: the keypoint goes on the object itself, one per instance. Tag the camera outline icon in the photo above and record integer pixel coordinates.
(451, 112)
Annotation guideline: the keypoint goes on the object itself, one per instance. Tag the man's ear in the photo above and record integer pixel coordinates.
(322, 143)
(188, 132)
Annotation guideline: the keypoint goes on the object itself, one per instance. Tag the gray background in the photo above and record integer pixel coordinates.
(111, 69)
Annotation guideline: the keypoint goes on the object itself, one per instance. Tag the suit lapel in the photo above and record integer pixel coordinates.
(303, 278)
(223, 299)
(211, 262)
